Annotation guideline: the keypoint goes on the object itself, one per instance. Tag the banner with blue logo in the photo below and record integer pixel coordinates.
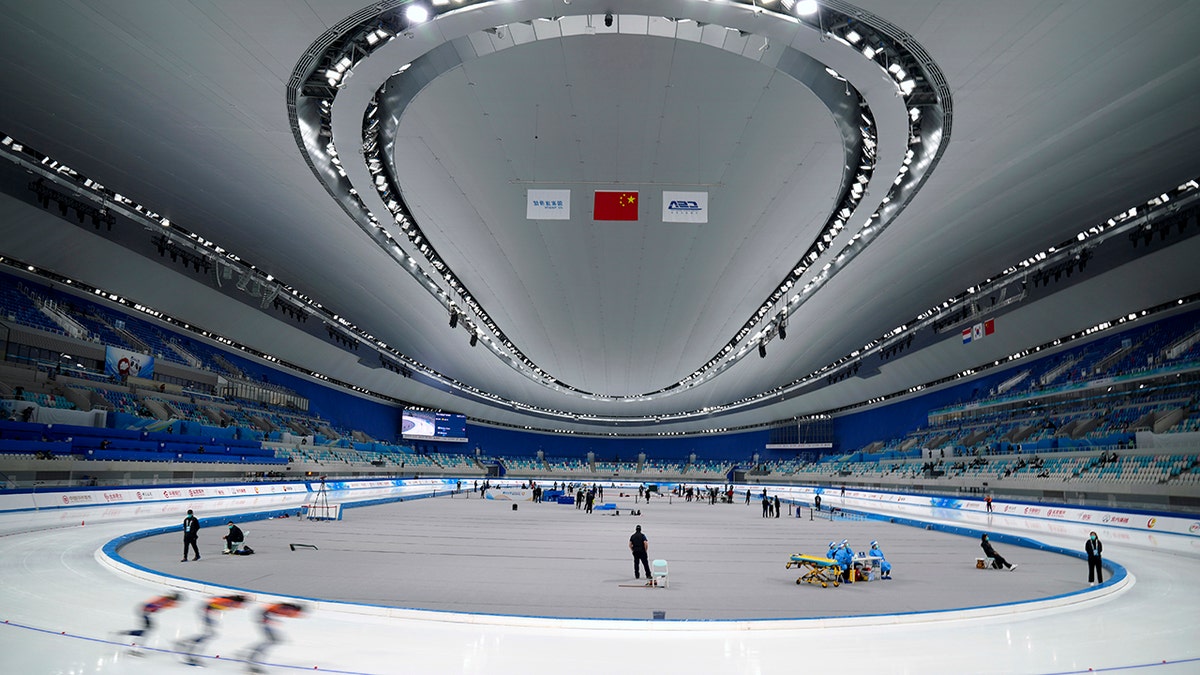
(685, 207)
(122, 363)
(548, 204)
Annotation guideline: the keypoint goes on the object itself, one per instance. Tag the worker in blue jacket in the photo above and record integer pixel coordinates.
(833, 549)
(885, 567)
(845, 558)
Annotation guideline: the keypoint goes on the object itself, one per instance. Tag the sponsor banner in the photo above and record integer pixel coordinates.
(548, 204)
(71, 498)
(123, 363)
(685, 207)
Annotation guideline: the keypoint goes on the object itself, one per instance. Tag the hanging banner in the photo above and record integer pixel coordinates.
(122, 363)
(685, 207)
(548, 204)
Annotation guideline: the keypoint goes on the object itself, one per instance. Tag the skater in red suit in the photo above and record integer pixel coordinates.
(268, 618)
(151, 608)
(208, 619)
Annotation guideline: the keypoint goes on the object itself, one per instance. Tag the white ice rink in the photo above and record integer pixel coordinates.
(60, 607)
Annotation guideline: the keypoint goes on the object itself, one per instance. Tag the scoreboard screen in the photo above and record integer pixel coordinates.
(422, 425)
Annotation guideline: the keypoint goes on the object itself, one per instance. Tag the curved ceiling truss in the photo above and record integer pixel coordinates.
(887, 96)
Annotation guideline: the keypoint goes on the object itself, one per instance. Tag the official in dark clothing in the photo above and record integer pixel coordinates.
(776, 506)
(1093, 547)
(997, 560)
(233, 540)
(191, 535)
(640, 547)
(817, 502)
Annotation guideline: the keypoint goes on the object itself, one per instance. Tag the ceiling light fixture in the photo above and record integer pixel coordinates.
(416, 14)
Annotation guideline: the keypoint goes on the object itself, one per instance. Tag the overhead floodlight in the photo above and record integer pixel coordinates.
(869, 52)
(807, 7)
(416, 14)
(853, 37)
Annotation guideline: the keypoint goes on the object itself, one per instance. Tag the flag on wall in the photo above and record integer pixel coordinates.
(978, 331)
(610, 205)
(548, 204)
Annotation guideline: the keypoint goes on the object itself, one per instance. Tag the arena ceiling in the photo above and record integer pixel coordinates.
(1003, 129)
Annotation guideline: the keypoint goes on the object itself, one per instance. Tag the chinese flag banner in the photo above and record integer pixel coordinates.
(615, 205)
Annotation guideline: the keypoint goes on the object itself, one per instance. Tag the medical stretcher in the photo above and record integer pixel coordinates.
(818, 570)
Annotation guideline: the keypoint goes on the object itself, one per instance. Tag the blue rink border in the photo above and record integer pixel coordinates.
(1119, 578)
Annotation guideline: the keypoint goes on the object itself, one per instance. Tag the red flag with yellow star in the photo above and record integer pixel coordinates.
(610, 205)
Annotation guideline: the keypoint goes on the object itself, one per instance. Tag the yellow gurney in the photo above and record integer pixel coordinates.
(818, 570)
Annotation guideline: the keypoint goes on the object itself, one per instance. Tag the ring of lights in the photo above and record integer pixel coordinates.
(334, 102)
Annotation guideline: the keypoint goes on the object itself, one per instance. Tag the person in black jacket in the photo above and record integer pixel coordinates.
(191, 535)
(233, 540)
(998, 561)
(640, 547)
(1093, 547)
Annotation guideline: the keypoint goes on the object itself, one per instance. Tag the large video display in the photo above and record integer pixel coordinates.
(420, 425)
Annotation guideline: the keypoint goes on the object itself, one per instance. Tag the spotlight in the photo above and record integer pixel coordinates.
(608, 20)
(762, 350)
(783, 331)
(416, 14)
(474, 339)
(453, 319)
